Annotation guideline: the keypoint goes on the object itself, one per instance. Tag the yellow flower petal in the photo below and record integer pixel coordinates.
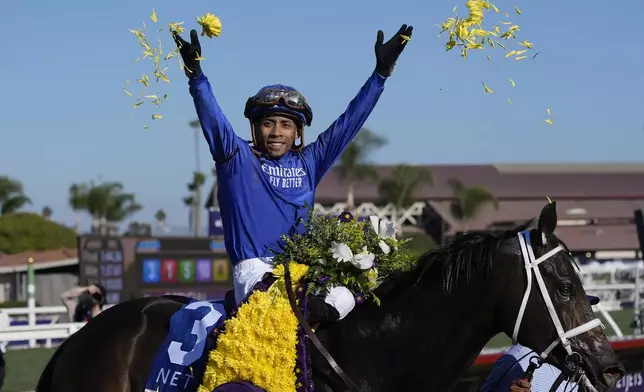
(136, 105)
(509, 101)
(548, 111)
(210, 24)
(549, 121)
(520, 58)
(127, 92)
(454, 9)
(154, 16)
(512, 82)
(156, 116)
(487, 89)
(518, 11)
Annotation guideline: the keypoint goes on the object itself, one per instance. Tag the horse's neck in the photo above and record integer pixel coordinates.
(419, 338)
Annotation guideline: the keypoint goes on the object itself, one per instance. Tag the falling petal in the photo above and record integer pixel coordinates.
(127, 92)
(489, 58)
(454, 9)
(506, 14)
(509, 101)
(520, 58)
(548, 110)
(154, 16)
(487, 89)
(549, 121)
(512, 82)
(136, 105)
(145, 127)
(518, 11)
(156, 116)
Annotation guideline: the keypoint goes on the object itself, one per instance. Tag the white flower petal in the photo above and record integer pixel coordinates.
(341, 252)
(363, 261)
(384, 247)
(374, 222)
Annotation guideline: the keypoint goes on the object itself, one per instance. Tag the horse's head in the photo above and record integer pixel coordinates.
(552, 314)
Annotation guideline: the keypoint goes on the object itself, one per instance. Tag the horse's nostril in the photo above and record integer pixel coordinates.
(612, 375)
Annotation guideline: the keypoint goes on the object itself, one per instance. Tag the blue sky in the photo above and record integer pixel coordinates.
(64, 116)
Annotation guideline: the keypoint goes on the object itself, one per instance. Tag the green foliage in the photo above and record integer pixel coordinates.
(12, 197)
(316, 247)
(22, 232)
(469, 200)
(399, 189)
(105, 200)
(160, 216)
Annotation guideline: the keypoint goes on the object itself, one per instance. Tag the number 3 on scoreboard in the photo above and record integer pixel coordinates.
(220, 270)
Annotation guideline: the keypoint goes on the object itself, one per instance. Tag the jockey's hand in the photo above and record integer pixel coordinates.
(520, 386)
(190, 52)
(387, 53)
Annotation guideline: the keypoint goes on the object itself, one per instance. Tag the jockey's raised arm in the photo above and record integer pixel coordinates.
(221, 138)
(219, 134)
(332, 142)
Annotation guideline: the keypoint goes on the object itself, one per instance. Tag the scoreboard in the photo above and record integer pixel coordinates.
(101, 261)
(194, 267)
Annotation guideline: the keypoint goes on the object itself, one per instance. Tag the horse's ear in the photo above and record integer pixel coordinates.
(548, 218)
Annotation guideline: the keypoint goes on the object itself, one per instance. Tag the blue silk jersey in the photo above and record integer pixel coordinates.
(260, 198)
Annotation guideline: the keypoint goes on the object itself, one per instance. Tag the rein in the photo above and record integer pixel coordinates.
(311, 335)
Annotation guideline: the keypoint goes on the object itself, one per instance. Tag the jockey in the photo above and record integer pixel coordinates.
(265, 188)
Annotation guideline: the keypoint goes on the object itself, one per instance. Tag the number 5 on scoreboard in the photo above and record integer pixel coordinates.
(220, 270)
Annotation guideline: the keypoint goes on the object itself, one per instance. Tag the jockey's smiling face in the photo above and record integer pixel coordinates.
(275, 134)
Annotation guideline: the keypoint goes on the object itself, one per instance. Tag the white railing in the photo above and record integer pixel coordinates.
(33, 332)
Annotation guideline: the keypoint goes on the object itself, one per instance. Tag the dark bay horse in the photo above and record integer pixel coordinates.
(431, 325)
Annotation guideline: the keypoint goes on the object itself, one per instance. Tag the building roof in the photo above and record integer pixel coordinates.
(42, 260)
(591, 181)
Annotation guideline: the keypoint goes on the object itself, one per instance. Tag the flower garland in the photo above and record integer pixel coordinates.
(211, 27)
(468, 34)
(265, 356)
(347, 251)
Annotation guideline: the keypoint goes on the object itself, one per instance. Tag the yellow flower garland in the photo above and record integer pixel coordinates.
(258, 345)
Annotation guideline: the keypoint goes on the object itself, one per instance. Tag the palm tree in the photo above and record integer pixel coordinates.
(105, 202)
(160, 217)
(46, 212)
(353, 165)
(469, 201)
(400, 187)
(193, 201)
(12, 197)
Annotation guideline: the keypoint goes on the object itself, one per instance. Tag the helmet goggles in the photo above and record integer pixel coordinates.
(269, 97)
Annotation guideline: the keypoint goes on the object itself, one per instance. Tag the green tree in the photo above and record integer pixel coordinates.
(12, 196)
(400, 187)
(46, 212)
(354, 167)
(193, 200)
(23, 232)
(469, 201)
(105, 202)
(160, 217)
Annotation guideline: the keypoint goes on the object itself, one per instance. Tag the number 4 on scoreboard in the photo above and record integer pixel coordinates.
(220, 270)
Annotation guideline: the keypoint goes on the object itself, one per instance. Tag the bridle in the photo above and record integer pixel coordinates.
(532, 267)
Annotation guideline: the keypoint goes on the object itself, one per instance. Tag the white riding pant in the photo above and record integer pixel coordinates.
(249, 272)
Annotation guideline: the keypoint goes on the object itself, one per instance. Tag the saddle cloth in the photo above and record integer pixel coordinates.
(180, 360)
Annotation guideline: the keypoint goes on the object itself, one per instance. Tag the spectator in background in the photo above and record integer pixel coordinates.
(84, 303)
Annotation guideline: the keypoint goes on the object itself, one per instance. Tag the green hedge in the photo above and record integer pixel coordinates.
(23, 232)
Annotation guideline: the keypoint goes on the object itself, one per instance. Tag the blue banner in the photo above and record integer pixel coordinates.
(215, 226)
(631, 382)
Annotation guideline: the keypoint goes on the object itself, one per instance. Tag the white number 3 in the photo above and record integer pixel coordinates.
(199, 329)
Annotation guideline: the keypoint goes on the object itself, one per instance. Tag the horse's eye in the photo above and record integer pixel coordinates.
(566, 289)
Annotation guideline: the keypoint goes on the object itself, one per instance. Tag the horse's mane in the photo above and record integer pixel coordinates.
(468, 254)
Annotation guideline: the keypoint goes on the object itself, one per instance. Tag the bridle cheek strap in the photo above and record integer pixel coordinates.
(532, 267)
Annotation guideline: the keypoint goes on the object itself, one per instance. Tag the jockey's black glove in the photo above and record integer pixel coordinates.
(190, 52)
(387, 53)
(321, 312)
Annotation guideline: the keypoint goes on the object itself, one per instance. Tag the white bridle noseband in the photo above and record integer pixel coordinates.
(532, 266)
